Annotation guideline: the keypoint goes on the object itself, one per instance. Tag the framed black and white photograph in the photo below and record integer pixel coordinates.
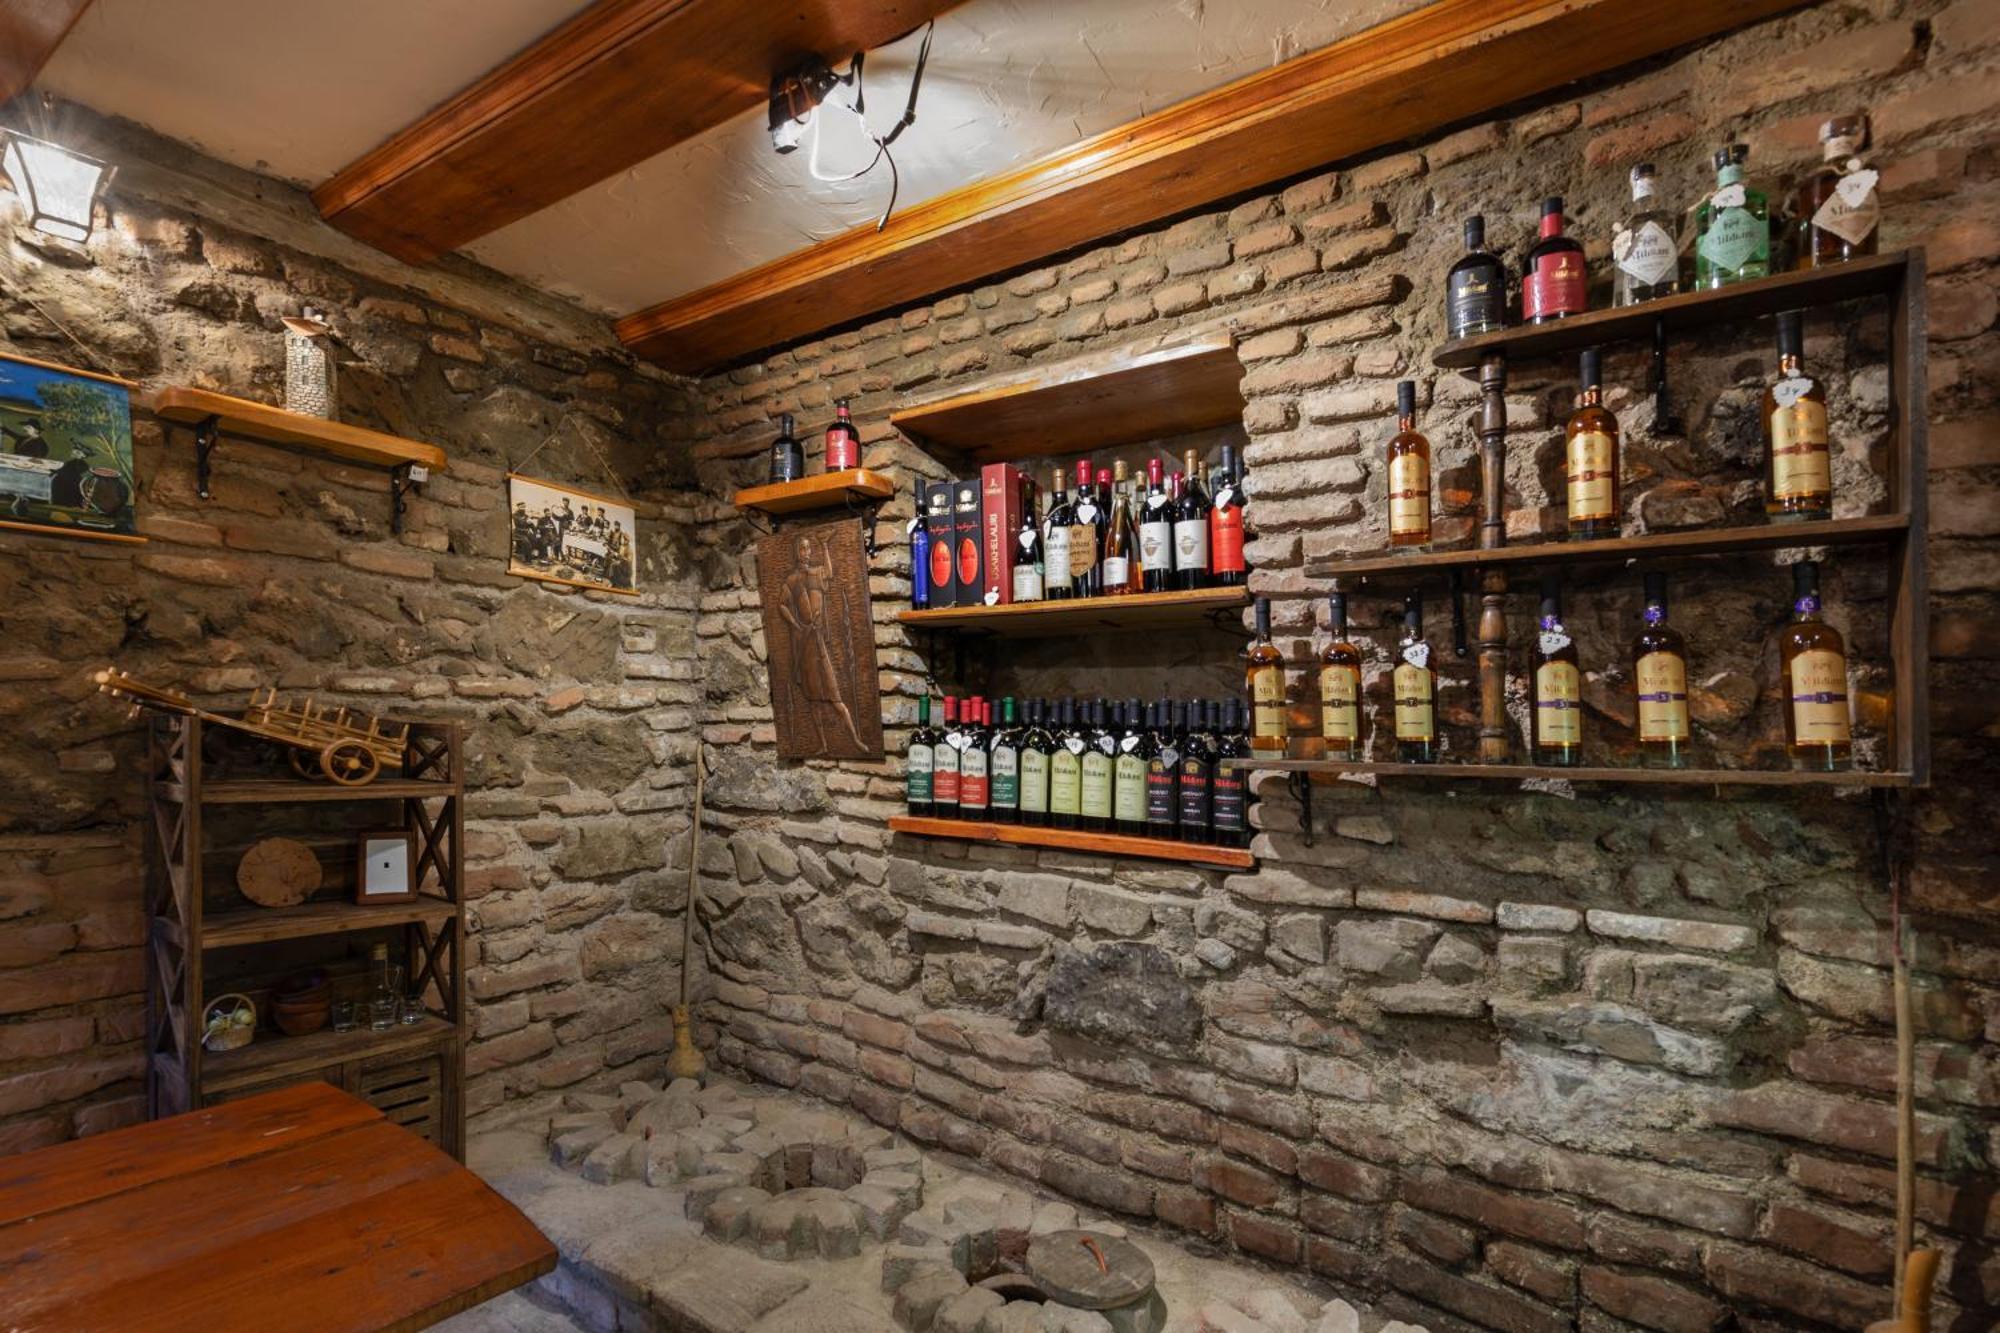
(386, 867)
(561, 535)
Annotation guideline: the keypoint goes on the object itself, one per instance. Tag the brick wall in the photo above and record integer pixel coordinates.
(579, 708)
(1611, 1059)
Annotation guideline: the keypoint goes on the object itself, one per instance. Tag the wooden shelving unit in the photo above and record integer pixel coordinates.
(414, 1073)
(1074, 840)
(855, 486)
(1031, 620)
(1147, 391)
(1672, 777)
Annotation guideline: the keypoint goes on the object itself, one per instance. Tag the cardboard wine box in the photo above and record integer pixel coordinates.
(968, 578)
(938, 518)
(1000, 519)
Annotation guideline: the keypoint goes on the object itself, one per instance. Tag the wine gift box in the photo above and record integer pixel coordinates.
(938, 519)
(1000, 519)
(968, 579)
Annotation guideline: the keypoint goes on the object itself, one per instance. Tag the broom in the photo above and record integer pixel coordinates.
(1915, 1269)
(685, 1061)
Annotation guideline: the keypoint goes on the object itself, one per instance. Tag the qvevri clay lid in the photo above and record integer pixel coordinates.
(1090, 1270)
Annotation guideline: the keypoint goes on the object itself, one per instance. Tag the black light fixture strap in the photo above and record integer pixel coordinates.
(909, 117)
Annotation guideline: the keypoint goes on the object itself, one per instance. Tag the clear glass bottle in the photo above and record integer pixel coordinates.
(385, 994)
(1836, 212)
(1556, 722)
(1339, 686)
(1475, 289)
(1590, 453)
(1798, 459)
(1265, 677)
(1121, 573)
(1818, 734)
(1409, 475)
(1659, 682)
(1645, 254)
(1732, 225)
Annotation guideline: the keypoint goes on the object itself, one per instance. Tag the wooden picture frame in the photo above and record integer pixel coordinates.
(377, 858)
(553, 536)
(66, 465)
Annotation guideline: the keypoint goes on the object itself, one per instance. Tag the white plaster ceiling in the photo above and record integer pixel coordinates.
(299, 88)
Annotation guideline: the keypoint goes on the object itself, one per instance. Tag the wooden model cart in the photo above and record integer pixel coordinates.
(318, 741)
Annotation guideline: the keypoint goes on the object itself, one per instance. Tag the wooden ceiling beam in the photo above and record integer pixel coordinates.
(617, 84)
(30, 32)
(1447, 62)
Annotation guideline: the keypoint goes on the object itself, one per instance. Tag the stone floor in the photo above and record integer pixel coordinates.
(633, 1262)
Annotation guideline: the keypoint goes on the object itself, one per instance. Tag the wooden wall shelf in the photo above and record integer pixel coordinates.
(289, 791)
(1030, 620)
(268, 1058)
(294, 430)
(1675, 777)
(329, 916)
(1148, 391)
(1616, 550)
(857, 486)
(1074, 840)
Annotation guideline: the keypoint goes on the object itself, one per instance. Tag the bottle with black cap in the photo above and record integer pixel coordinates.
(1339, 686)
(1818, 733)
(1659, 680)
(1475, 288)
(1226, 795)
(1100, 756)
(1197, 775)
(1163, 758)
(1415, 684)
(1553, 275)
(1128, 771)
(1556, 723)
(1798, 459)
(1066, 769)
(1003, 767)
(1409, 475)
(1037, 752)
(788, 457)
(1590, 452)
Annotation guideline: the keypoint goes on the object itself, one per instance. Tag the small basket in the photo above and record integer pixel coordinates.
(229, 1022)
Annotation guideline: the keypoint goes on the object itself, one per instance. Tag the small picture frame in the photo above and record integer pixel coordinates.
(385, 867)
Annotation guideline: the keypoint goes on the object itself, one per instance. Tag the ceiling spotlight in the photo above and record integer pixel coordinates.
(59, 187)
(793, 97)
(812, 85)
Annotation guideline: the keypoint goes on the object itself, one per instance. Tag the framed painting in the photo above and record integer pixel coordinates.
(825, 698)
(65, 451)
(561, 535)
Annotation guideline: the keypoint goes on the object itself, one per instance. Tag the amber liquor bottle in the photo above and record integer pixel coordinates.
(1339, 686)
(1409, 475)
(1415, 684)
(1553, 275)
(1265, 676)
(1798, 460)
(1659, 681)
(1121, 573)
(1590, 453)
(1556, 724)
(1814, 657)
(1835, 211)
(1475, 288)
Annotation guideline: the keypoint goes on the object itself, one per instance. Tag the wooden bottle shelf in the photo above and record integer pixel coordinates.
(1074, 840)
(294, 430)
(1879, 275)
(824, 491)
(1027, 620)
(1613, 550)
(1146, 391)
(282, 791)
(1677, 777)
(333, 916)
(271, 1057)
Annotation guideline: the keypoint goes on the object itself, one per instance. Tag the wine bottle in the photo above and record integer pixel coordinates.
(1028, 555)
(1415, 683)
(1003, 768)
(1066, 770)
(1191, 530)
(1556, 722)
(1339, 686)
(1197, 775)
(919, 763)
(973, 788)
(1121, 540)
(1645, 257)
(1732, 226)
(1156, 532)
(1163, 758)
(1226, 798)
(1057, 527)
(1590, 446)
(1798, 460)
(1409, 475)
(1100, 756)
(1265, 679)
(788, 459)
(1817, 731)
(1037, 751)
(1659, 679)
(1553, 276)
(1128, 776)
(1225, 524)
(944, 764)
(843, 442)
(1086, 534)
(1475, 289)
(1835, 211)
(920, 552)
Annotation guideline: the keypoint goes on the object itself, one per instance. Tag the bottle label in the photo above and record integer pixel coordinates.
(1735, 235)
(1556, 287)
(1267, 702)
(1117, 571)
(940, 563)
(1128, 797)
(1226, 799)
(1416, 704)
(972, 778)
(1340, 703)
(1095, 798)
(1191, 543)
(1034, 780)
(1156, 545)
(920, 567)
(917, 767)
(1028, 583)
(1852, 210)
(1593, 476)
(1475, 300)
(1225, 536)
(1055, 552)
(1160, 791)
(1558, 705)
(944, 775)
(1066, 783)
(1801, 460)
(1194, 793)
(1661, 681)
(840, 449)
(1819, 697)
(1409, 495)
(1646, 253)
(1082, 550)
(1003, 770)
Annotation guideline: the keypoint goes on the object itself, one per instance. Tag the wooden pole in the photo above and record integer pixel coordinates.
(1495, 746)
(686, 1060)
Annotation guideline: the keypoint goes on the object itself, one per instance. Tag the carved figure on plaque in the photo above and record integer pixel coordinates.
(821, 637)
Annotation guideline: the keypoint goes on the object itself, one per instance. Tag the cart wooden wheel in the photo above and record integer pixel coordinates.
(304, 763)
(349, 763)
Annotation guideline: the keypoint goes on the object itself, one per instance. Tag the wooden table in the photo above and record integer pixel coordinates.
(301, 1209)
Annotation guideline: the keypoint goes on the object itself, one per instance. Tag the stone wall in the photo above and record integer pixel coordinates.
(578, 708)
(1614, 1058)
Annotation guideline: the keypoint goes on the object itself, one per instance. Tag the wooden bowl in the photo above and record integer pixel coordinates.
(299, 1022)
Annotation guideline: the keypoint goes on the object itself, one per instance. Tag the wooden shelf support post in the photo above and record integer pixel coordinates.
(1494, 747)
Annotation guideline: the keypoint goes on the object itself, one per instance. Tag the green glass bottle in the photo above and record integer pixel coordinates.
(1732, 225)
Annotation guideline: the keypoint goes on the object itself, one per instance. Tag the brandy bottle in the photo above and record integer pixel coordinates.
(1813, 656)
(1409, 475)
(1265, 677)
(1798, 460)
(1339, 686)
(1835, 212)
(1475, 288)
(1415, 683)
(1556, 723)
(1659, 680)
(1590, 453)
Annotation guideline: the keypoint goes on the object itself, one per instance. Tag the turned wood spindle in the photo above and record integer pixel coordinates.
(1495, 746)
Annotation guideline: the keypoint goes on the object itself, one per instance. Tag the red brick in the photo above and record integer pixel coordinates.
(1972, 1211)
(1849, 60)
(48, 1037)
(1346, 1176)
(1653, 1193)
(1548, 1276)
(1106, 1189)
(1853, 1244)
(1934, 106)
(875, 1029)
(1350, 1222)
(1789, 1111)
(1340, 1261)
(891, 1071)
(1190, 1210)
(1269, 1150)
(1651, 1302)
(1155, 1159)
(1447, 1242)
(71, 980)
(1546, 1220)
(1485, 1303)
(1242, 1184)
(1635, 95)
(1760, 1279)
(1627, 1240)
(37, 1088)
(1156, 1115)
(1629, 143)
(1266, 1237)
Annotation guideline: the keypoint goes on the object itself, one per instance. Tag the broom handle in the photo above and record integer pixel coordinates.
(694, 863)
(1895, 851)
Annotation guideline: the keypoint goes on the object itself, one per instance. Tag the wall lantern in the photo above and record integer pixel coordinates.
(59, 187)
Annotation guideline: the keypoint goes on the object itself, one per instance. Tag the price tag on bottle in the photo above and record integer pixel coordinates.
(1789, 390)
(1086, 513)
(1225, 497)
(1552, 641)
(910, 528)
(1027, 540)
(1418, 654)
(1729, 196)
(1156, 502)
(1855, 187)
(1074, 745)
